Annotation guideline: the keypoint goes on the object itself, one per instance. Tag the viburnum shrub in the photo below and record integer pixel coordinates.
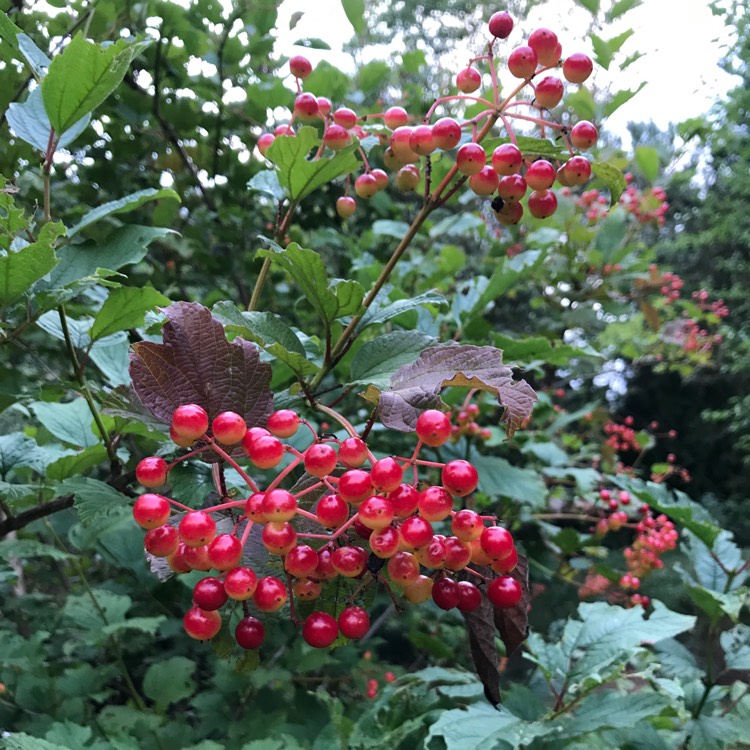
(405, 529)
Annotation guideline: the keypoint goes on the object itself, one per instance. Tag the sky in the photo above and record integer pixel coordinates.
(682, 40)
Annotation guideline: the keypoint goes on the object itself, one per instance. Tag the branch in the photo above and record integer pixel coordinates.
(13, 523)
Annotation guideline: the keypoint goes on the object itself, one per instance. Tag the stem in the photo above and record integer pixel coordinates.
(263, 274)
(221, 452)
(79, 376)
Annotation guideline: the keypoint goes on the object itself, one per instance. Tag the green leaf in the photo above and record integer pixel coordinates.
(83, 76)
(478, 727)
(30, 123)
(591, 5)
(9, 35)
(506, 275)
(736, 645)
(529, 145)
(36, 59)
(381, 310)
(31, 548)
(498, 478)
(538, 349)
(123, 205)
(14, 449)
(21, 269)
(331, 300)
(610, 709)
(124, 246)
(262, 327)
(355, 12)
(582, 103)
(390, 228)
(76, 464)
(267, 183)
(716, 604)
(125, 308)
(620, 8)
(312, 43)
(300, 177)
(612, 177)
(23, 741)
(377, 360)
(169, 681)
(70, 422)
(148, 625)
(647, 159)
(606, 50)
(620, 98)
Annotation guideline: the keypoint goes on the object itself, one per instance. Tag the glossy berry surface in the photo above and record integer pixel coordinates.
(500, 24)
(459, 477)
(320, 630)
(152, 472)
(201, 624)
(468, 80)
(354, 622)
(189, 421)
(433, 427)
(445, 593)
(228, 427)
(250, 632)
(151, 510)
(504, 592)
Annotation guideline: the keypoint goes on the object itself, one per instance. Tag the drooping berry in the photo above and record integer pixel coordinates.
(522, 62)
(542, 203)
(433, 427)
(209, 594)
(395, 117)
(354, 622)
(300, 66)
(459, 477)
(353, 452)
(189, 421)
(468, 80)
(504, 592)
(577, 67)
(470, 159)
(447, 133)
(151, 510)
(197, 528)
(320, 630)
(320, 459)
(500, 25)
(201, 624)
(469, 596)
(507, 159)
(152, 472)
(345, 206)
(228, 427)
(445, 593)
(283, 423)
(249, 632)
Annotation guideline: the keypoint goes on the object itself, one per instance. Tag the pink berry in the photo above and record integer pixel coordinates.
(306, 107)
(522, 62)
(544, 43)
(228, 427)
(320, 630)
(500, 25)
(264, 142)
(197, 528)
(540, 175)
(336, 137)
(152, 472)
(549, 91)
(395, 117)
(201, 624)
(583, 135)
(433, 427)
(542, 203)
(400, 142)
(345, 117)
(507, 159)
(422, 141)
(447, 133)
(577, 67)
(512, 188)
(300, 66)
(407, 178)
(283, 423)
(468, 80)
(353, 452)
(484, 182)
(365, 186)
(345, 206)
(190, 421)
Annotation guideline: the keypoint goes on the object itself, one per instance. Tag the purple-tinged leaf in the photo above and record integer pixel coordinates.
(417, 386)
(196, 364)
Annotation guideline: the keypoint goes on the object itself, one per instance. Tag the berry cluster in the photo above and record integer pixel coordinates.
(647, 205)
(654, 537)
(621, 437)
(505, 171)
(718, 307)
(466, 425)
(671, 286)
(371, 514)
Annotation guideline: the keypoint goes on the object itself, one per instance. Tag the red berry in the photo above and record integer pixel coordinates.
(320, 630)
(197, 528)
(177, 560)
(457, 553)
(459, 477)
(240, 583)
(200, 624)
(376, 512)
(504, 592)
(583, 135)
(152, 472)
(540, 175)
(405, 499)
(484, 182)
(225, 551)
(500, 25)
(355, 486)
(386, 474)
(307, 589)
(349, 561)
(544, 43)
(447, 133)
(265, 451)
(432, 555)
(278, 538)
(345, 206)
(353, 452)
(381, 178)
(254, 507)
(161, 541)
(468, 80)
(403, 568)
(415, 532)
(197, 557)
(400, 142)
(324, 106)
(445, 593)
(422, 140)
(506, 564)
(384, 542)
(497, 542)
(320, 459)
(278, 505)
(283, 130)
(345, 117)
(522, 62)
(549, 91)
(264, 142)
(306, 107)
(433, 427)
(418, 590)
(283, 423)
(542, 203)
(332, 511)
(301, 561)
(151, 510)
(467, 525)
(300, 66)
(270, 594)
(512, 188)
(577, 170)
(470, 159)
(507, 159)
(228, 428)
(395, 117)
(435, 504)
(336, 137)
(209, 594)
(469, 596)
(325, 570)
(365, 186)
(249, 632)
(577, 67)
(189, 421)
(354, 622)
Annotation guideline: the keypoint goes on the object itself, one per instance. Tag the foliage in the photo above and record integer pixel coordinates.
(141, 201)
